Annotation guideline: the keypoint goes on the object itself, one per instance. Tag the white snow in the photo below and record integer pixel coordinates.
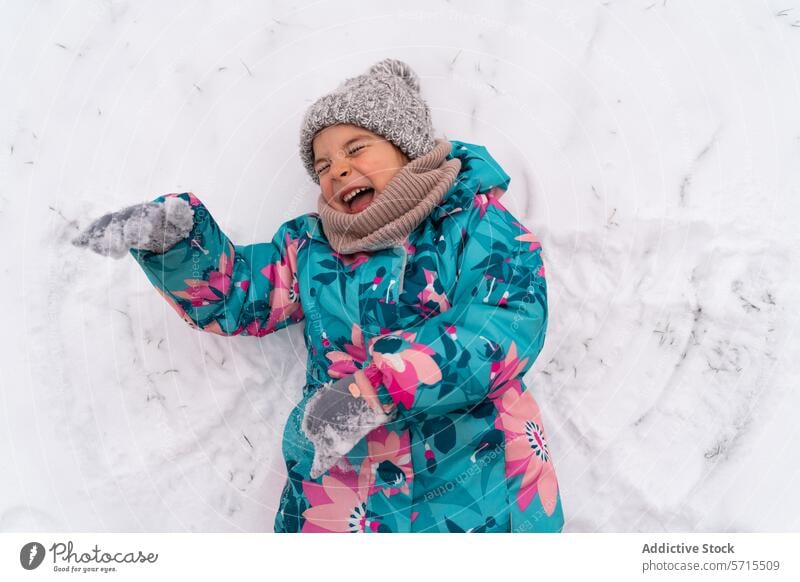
(653, 148)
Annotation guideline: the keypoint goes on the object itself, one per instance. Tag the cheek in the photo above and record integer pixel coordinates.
(326, 188)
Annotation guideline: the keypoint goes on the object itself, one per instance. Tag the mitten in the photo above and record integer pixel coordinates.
(338, 416)
(151, 226)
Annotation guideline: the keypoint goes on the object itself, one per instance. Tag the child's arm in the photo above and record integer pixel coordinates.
(489, 337)
(213, 284)
(223, 288)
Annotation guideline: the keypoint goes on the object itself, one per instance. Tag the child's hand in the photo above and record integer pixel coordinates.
(337, 417)
(151, 226)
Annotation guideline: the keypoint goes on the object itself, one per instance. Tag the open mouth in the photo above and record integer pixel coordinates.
(358, 200)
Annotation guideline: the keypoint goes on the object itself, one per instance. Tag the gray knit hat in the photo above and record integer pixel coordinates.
(385, 100)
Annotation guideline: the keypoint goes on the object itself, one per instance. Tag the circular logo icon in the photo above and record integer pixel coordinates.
(31, 555)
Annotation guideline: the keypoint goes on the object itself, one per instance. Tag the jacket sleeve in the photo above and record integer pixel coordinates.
(488, 338)
(227, 289)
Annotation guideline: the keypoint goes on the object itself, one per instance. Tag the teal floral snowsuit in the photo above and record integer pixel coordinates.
(453, 318)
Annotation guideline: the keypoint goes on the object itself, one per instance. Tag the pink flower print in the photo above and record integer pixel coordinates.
(390, 461)
(430, 458)
(528, 237)
(256, 329)
(430, 294)
(404, 365)
(527, 452)
(540, 272)
(174, 304)
(284, 298)
(489, 198)
(339, 502)
(503, 302)
(353, 260)
(294, 289)
(202, 292)
(350, 360)
(496, 192)
(444, 212)
(214, 327)
(505, 373)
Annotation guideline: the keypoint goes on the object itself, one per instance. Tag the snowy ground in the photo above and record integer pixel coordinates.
(653, 146)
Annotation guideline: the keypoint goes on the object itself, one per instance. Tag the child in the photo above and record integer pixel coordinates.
(430, 306)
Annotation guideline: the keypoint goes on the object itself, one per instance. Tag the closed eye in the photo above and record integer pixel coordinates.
(354, 150)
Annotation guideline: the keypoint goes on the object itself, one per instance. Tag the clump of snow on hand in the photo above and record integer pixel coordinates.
(109, 240)
(180, 215)
(335, 421)
(338, 438)
(158, 227)
(151, 226)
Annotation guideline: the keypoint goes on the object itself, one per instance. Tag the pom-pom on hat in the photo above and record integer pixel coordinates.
(385, 100)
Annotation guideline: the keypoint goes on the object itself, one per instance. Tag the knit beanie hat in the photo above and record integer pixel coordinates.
(385, 100)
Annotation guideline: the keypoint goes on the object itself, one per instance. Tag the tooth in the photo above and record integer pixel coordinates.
(350, 195)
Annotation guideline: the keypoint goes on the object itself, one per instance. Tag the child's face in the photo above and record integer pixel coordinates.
(346, 157)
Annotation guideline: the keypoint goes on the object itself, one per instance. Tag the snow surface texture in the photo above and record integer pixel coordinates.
(152, 226)
(335, 422)
(653, 148)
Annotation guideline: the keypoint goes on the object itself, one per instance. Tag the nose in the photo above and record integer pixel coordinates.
(340, 167)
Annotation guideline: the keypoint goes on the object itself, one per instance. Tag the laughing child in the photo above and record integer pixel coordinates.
(431, 305)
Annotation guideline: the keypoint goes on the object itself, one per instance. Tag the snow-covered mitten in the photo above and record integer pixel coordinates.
(152, 226)
(336, 418)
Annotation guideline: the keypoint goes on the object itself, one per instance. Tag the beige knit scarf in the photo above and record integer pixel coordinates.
(404, 204)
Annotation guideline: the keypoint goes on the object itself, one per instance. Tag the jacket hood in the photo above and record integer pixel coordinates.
(479, 170)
